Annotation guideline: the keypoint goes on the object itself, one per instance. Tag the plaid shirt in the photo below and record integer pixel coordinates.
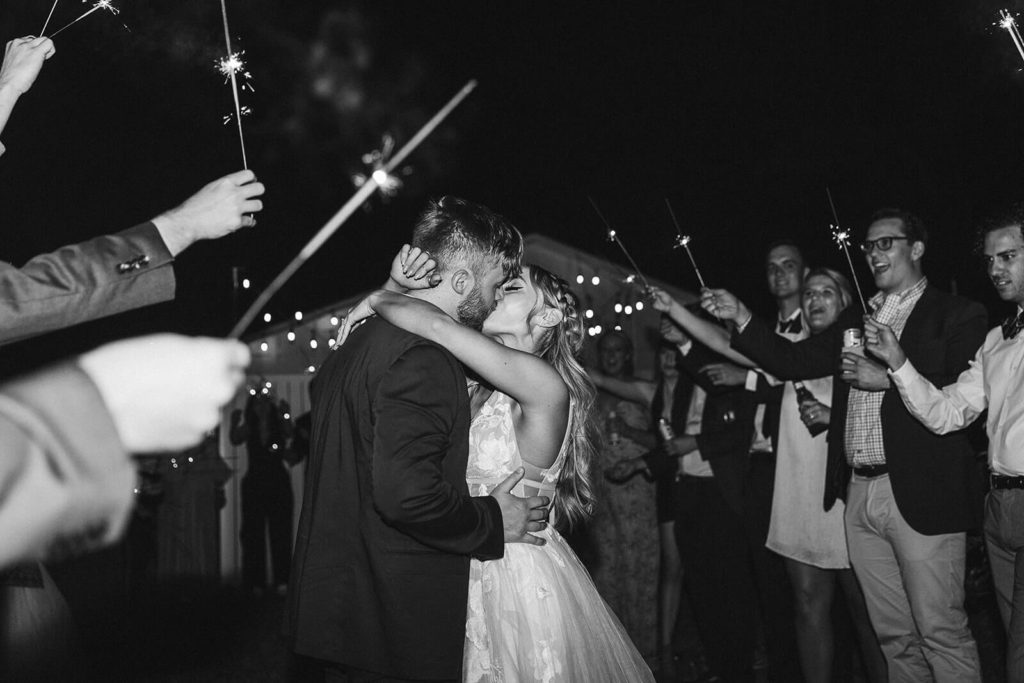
(864, 445)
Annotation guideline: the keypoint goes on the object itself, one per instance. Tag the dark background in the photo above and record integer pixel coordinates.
(741, 116)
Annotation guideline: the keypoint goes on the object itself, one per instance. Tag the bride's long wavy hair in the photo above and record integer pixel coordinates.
(561, 346)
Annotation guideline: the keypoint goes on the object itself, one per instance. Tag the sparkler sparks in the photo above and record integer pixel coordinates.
(683, 241)
(614, 237)
(842, 238)
(101, 4)
(233, 66)
(346, 211)
(230, 66)
(376, 163)
(1009, 22)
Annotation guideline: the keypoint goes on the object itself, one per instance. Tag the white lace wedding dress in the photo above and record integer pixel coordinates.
(535, 615)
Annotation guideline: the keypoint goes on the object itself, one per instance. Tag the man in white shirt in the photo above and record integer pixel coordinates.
(992, 382)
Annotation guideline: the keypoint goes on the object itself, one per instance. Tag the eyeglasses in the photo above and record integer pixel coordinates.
(882, 243)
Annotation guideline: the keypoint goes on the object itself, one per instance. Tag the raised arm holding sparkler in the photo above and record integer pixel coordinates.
(23, 59)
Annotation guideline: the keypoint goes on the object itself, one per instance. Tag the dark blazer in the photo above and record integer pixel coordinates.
(381, 568)
(933, 477)
(80, 282)
(727, 426)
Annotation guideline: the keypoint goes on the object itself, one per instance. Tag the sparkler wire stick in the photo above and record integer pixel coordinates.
(102, 4)
(345, 212)
(614, 237)
(684, 242)
(842, 238)
(234, 82)
(1008, 22)
(42, 31)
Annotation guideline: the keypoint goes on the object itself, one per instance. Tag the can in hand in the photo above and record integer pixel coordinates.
(853, 341)
(665, 429)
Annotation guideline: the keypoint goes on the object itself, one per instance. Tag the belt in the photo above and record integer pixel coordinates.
(871, 470)
(1001, 481)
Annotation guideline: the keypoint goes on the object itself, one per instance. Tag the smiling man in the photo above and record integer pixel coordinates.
(992, 382)
(909, 501)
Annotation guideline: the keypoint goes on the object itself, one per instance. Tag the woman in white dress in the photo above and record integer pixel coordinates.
(533, 615)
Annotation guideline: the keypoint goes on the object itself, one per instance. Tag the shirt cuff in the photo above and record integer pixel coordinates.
(686, 348)
(743, 325)
(751, 383)
(906, 374)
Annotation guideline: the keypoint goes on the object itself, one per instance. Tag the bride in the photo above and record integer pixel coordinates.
(533, 615)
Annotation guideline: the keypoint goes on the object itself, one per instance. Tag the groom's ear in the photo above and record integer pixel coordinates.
(462, 281)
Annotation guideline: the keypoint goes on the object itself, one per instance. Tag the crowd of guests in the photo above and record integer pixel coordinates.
(824, 447)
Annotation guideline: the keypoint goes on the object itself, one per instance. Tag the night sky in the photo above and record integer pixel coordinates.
(741, 116)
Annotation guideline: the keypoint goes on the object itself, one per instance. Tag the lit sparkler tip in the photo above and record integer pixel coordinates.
(630, 279)
(841, 237)
(232, 64)
(611, 235)
(105, 4)
(682, 241)
(1007, 21)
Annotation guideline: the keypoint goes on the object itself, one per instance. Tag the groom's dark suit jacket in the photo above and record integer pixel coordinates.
(381, 567)
(933, 477)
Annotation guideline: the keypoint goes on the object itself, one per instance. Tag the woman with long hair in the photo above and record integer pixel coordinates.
(533, 615)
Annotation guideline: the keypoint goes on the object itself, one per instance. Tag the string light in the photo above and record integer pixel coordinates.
(589, 313)
(595, 280)
(580, 279)
(245, 283)
(618, 307)
(628, 310)
(639, 305)
(264, 347)
(266, 317)
(312, 343)
(291, 335)
(334, 321)
(298, 315)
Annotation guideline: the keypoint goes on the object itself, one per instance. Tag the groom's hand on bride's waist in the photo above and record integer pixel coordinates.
(520, 516)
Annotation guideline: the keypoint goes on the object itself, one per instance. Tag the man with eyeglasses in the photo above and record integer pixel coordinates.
(991, 383)
(911, 497)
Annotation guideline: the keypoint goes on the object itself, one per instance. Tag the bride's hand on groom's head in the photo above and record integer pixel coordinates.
(413, 268)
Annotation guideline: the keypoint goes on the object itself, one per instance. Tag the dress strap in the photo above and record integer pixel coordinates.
(540, 485)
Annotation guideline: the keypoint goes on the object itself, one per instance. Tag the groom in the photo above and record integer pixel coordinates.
(381, 568)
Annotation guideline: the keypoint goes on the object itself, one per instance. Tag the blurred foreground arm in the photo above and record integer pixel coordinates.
(66, 477)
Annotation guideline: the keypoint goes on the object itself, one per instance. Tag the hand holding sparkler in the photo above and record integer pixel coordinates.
(220, 208)
(724, 305)
(23, 59)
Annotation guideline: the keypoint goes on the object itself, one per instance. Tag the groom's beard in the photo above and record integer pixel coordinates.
(473, 311)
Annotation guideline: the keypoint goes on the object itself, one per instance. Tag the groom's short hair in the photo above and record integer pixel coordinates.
(454, 231)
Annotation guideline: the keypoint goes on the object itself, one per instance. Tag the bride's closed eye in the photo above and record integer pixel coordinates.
(513, 286)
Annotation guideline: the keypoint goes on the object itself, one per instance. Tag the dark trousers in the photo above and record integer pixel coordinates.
(719, 577)
(774, 592)
(309, 670)
(266, 507)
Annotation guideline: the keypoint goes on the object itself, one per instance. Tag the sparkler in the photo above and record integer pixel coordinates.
(346, 211)
(46, 23)
(614, 237)
(1008, 22)
(684, 242)
(389, 184)
(230, 66)
(101, 4)
(842, 238)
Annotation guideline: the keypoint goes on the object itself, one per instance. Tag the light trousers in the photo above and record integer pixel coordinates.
(913, 586)
(1004, 539)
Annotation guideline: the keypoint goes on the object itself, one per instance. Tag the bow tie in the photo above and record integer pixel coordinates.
(791, 326)
(1012, 326)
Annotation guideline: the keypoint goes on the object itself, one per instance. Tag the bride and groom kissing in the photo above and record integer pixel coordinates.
(424, 550)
